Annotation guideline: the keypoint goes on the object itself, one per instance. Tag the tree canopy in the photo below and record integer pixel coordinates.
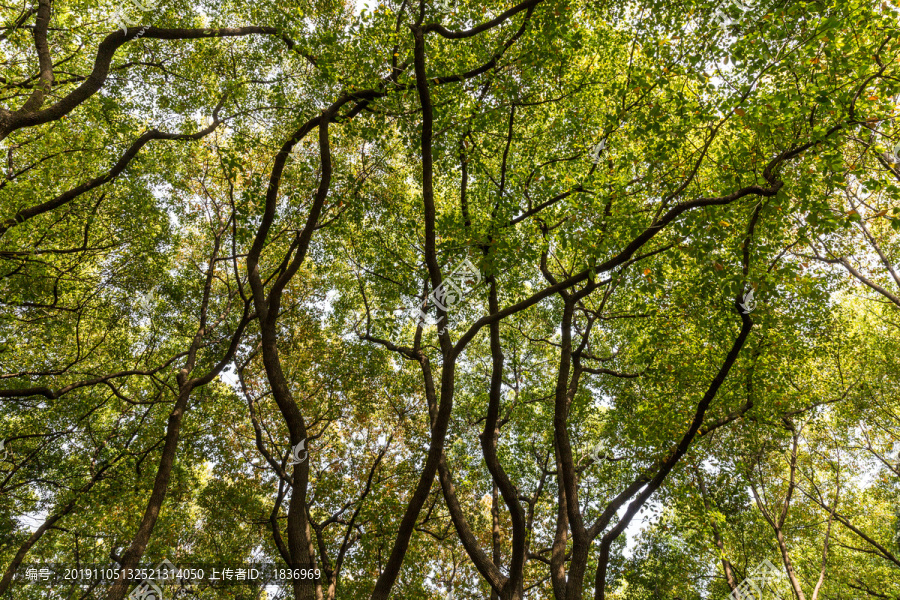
(557, 299)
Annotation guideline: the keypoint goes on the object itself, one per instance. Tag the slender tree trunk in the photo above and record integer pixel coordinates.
(132, 556)
(495, 532)
(717, 538)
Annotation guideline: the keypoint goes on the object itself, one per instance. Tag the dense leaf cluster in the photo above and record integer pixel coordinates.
(554, 299)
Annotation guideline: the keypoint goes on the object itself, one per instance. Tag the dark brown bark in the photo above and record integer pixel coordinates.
(123, 162)
(54, 394)
(439, 428)
(717, 537)
(30, 116)
(186, 385)
(676, 454)
(45, 61)
(486, 566)
(299, 544)
(513, 588)
(495, 532)
(777, 523)
(132, 555)
(48, 524)
(566, 476)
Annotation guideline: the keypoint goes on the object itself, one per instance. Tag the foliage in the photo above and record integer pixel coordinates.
(673, 353)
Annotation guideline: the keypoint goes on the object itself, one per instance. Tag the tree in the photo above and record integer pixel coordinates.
(441, 296)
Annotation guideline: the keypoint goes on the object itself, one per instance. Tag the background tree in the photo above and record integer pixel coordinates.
(515, 279)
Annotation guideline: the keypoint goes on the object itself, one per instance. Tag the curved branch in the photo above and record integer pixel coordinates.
(467, 33)
(123, 162)
(45, 61)
(29, 116)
